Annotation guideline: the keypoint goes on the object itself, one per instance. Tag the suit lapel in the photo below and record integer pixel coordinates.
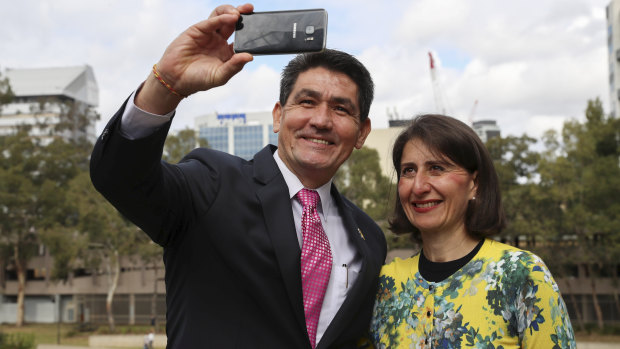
(365, 279)
(278, 215)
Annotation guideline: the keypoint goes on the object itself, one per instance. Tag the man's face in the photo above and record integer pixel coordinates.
(319, 125)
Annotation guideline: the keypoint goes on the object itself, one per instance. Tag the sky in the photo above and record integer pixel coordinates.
(531, 65)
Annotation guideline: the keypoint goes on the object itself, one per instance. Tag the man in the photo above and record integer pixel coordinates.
(252, 259)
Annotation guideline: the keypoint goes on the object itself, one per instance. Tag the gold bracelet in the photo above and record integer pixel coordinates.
(165, 83)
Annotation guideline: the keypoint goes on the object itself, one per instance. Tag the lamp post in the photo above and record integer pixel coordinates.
(58, 318)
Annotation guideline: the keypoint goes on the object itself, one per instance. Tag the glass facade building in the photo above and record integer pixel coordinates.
(248, 140)
(216, 136)
(240, 134)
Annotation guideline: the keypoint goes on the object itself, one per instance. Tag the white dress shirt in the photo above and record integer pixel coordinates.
(346, 261)
(137, 123)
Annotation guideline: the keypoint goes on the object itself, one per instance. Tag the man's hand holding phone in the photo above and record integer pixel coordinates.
(197, 60)
(201, 57)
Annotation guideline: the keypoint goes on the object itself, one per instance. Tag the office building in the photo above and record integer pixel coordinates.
(241, 134)
(486, 129)
(36, 93)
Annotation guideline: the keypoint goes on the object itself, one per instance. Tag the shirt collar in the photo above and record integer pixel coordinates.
(294, 185)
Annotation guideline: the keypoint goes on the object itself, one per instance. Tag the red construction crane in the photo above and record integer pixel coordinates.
(440, 99)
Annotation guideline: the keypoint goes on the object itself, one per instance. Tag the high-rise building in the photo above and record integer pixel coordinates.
(613, 51)
(241, 134)
(486, 129)
(39, 100)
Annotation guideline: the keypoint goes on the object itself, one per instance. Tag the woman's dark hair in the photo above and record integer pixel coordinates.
(452, 139)
(332, 60)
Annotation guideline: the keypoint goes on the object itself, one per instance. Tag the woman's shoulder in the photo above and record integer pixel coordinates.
(401, 268)
(513, 260)
(497, 249)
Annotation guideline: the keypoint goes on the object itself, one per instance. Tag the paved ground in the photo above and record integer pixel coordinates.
(598, 345)
(54, 346)
(580, 345)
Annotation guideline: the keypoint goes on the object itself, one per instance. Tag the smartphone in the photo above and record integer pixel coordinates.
(281, 32)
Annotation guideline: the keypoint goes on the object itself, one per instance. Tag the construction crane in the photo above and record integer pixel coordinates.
(472, 113)
(441, 102)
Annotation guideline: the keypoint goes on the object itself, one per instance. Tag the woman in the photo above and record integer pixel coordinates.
(463, 289)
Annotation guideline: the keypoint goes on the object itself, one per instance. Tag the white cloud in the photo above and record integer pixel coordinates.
(531, 64)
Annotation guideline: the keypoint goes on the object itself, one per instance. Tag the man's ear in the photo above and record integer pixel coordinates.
(364, 131)
(276, 113)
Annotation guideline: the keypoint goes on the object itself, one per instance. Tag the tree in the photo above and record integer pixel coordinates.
(34, 173)
(516, 166)
(32, 181)
(151, 254)
(109, 235)
(361, 180)
(582, 175)
(179, 145)
(6, 93)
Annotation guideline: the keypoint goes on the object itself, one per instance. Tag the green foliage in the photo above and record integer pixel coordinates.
(6, 93)
(35, 172)
(582, 175)
(177, 146)
(360, 180)
(17, 341)
(516, 164)
(513, 158)
(399, 241)
(56, 117)
(563, 202)
(33, 182)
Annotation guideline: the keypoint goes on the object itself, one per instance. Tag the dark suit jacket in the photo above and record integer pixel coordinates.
(230, 248)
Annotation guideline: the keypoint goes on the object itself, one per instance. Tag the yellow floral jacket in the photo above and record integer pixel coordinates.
(503, 298)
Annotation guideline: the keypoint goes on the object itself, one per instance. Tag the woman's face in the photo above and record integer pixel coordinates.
(434, 191)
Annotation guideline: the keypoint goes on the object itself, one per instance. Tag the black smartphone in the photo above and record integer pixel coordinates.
(281, 32)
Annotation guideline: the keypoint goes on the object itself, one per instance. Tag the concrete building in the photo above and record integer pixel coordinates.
(34, 87)
(42, 96)
(486, 129)
(81, 299)
(613, 52)
(382, 140)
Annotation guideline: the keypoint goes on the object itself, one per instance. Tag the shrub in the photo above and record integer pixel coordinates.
(17, 341)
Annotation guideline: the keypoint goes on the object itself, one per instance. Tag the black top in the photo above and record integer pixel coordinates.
(439, 271)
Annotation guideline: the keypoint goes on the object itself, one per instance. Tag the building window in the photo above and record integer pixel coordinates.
(248, 140)
(216, 136)
(273, 137)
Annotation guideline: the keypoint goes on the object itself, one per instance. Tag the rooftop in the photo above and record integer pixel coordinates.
(77, 82)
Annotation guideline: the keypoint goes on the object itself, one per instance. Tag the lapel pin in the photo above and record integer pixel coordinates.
(362, 235)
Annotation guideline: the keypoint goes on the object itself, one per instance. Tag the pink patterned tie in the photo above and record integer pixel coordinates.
(316, 261)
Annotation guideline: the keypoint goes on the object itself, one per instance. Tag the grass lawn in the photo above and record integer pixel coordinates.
(69, 335)
(48, 333)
